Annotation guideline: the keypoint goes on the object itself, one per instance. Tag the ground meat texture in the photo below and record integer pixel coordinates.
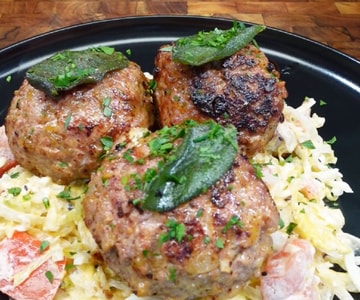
(214, 258)
(243, 89)
(61, 137)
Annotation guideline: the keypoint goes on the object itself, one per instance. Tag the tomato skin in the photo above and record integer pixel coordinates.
(15, 254)
(288, 274)
(7, 166)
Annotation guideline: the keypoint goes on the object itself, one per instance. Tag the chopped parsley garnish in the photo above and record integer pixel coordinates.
(44, 245)
(106, 142)
(69, 267)
(258, 170)
(49, 276)
(200, 213)
(233, 221)
(66, 195)
(172, 274)
(145, 252)
(281, 223)
(175, 231)
(127, 155)
(15, 191)
(67, 121)
(106, 107)
(322, 103)
(63, 164)
(290, 228)
(308, 144)
(219, 243)
(206, 240)
(46, 202)
(332, 140)
(15, 175)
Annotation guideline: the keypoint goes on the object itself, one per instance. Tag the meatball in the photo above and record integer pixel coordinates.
(243, 89)
(62, 137)
(209, 246)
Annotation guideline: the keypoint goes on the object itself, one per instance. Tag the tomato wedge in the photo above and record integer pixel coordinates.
(15, 254)
(7, 166)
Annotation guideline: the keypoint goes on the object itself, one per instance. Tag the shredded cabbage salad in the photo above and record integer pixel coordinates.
(297, 166)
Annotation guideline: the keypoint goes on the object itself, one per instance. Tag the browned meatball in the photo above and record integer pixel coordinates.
(61, 137)
(225, 236)
(243, 89)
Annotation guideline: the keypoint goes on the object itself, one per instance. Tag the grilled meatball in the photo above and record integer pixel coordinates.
(243, 89)
(225, 230)
(61, 138)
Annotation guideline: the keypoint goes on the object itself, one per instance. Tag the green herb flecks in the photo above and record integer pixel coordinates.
(233, 221)
(44, 246)
(67, 69)
(290, 228)
(213, 45)
(15, 191)
(205, 154)
(175, 231)
(67, 195)
(308, 144)
(50, 276)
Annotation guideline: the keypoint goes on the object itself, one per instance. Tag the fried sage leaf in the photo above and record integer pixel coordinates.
(205, 154)
(213, 45)
(68, 69)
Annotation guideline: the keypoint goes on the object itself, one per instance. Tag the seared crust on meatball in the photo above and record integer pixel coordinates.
(243, 89)
(61, 137)
(225, 231)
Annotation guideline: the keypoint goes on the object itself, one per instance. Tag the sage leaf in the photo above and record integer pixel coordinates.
(68, 69)
(205, 154)
(213, 45)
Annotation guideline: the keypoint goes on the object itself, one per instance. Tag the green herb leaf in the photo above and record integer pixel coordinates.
(67, 69)
(44, 245)
(233, 221)
(15, 175)
(213, 45)
(258, 170)
(332, 140)
(46, 202)
(66, 195)
(206, 240)
(322, 103)
(106, 142)
(290, 228)
(67, 121)
(308, 144)
(176, 231)
(219, 244)
(49, 276)
(205, 154)
(69, 267)
(15, 191)
(281, 223)
(172, 274)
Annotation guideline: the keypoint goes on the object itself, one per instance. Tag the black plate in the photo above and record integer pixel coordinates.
(309, 69)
